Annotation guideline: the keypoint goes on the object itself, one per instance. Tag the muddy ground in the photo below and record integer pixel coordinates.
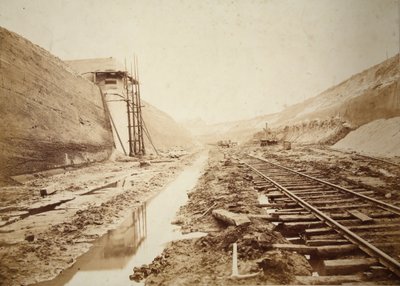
(40, 235)
(226, 185)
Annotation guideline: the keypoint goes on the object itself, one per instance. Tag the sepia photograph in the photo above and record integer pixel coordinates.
(199, 142)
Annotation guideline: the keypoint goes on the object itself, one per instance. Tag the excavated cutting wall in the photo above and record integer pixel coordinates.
(365, 97)
(50, 117)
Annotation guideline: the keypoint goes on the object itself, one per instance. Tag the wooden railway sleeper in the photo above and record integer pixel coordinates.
(367, 247)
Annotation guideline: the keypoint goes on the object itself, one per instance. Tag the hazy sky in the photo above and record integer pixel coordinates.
(218, 59)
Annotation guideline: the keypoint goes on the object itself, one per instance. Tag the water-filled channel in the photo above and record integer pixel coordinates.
(138, 240)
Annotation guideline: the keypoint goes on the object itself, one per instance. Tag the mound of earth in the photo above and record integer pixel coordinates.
(378, 138)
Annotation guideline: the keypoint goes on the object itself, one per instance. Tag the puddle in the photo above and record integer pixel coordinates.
(138, 240)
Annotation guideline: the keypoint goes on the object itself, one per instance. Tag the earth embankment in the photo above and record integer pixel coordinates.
(326, 118)
(50, 117)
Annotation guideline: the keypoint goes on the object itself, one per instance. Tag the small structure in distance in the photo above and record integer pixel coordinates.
(270, 137)
(121, 92)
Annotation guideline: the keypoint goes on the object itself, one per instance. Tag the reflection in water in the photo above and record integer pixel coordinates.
(112, 251)
(122, 242)
(137, 241)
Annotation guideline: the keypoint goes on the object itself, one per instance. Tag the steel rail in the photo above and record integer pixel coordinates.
(383, 205)
(364, 245)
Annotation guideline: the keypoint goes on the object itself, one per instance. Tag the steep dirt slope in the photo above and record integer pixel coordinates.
(165, 132)
(49, 116)
(379, 138)
(367, 96)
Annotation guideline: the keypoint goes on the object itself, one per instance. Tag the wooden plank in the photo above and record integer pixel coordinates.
(230, 217)
(355, 206)
(300, 226)
(373, 215)
(367, 193)
(283, 212)
(333, 250)
(386, 226)
(262, 182)
(275, 194)
(292, 210)
(319, 194)
(281, 200)
(324, 236)
(374, 235)
(261, 187)
(302, 187)
(361, 216)
(331, 202)
(313, 193)
(321, 242)
(297, 217)
(306, 216)
(295, 240)
(299, 248)
(286, 216)
(277, 205)
(322, 230)
(347, 266)
(328, 280)
(262, 216)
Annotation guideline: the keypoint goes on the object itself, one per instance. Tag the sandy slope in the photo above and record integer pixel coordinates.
(379, 138)
(165, 132)
(369, 95)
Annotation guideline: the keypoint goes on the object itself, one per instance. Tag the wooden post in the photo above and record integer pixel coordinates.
(235, 270)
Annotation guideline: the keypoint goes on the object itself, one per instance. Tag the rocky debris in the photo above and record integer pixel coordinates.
(143, 164)
(29, 237)
(221, 187)
(230, 217)
(248, 177)
(43, 193)
(228, 162)
(207, 260)
(283, 266)
(158, 264)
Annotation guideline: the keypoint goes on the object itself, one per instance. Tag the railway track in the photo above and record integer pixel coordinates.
(349, 233)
